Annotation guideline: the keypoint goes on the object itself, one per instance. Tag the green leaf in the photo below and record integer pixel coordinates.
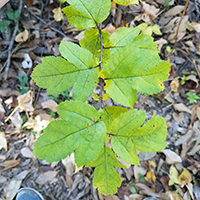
(126, 2)
(106, 179)
(137, 67)
(10, 13)
(62, 137)
(84, 14)
(16, 14)
(110, 113)
(122, 37)
(2, 29)
(6, 22)
(55, 74)
(83, 60)
(128, 135)
(58, 75)
(92, 42)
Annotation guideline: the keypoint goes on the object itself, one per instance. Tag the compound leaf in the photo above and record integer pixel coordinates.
(121, 38)
(110, 113)
(62, 137)
(126, 2)
(92, 42)
(57, 75)
(84, 14)
(106, 178)
(137, 67)
(128, 135)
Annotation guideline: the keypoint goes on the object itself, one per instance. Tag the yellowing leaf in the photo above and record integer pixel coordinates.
(173, 175)
(128, 135)
(80, 129)
(105, 97)
(150, 177)
(174, 85)
(185, 177)
(3, 141)
(127, 2)
(95, 97)
(156, 30)
(106, 178)
(22, 37)
(58, 16)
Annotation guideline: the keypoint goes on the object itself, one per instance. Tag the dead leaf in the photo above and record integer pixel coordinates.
(173, 175)
(27, 62)
(12, 189)
(174, 85)
(190, 189)
(174, 196)
(69, 180)
(111, 197)
(110, 29)
(139, 170)
(194, 26)
(150, 177)
(136, 197)
(58, 15)
(198, 113)
(9, 164)
(182, 108)
(160, 43)
(27, 153)
(3, 2)
(16, 120)
(171, 157)
(22, 37)
(51, 104)
(3, 141)
(46, 177)
(144, 189)
(25, 101)
(174, 11)
(185, 177)
(69, 164)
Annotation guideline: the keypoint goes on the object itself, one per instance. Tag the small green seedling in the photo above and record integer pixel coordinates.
(166, 2)
(23, 81)
(13, 15)
(192, 97)
(3, 24)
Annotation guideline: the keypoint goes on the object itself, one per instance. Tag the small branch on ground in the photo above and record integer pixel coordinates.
(176, 36)
(40, 19)
(8, 61)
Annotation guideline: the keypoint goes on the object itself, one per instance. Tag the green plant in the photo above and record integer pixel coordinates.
(166, 2)
(192, 97)
(121, 64)
(13, 15)
(3, 24)
(23, 81)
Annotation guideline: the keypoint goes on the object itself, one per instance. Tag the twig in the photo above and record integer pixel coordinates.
(40, 19)
(176, 36)
(100, 65)
(7, 64)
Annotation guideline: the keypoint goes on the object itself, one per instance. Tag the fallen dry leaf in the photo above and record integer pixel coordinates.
(51, 104)
(185, 177)
(173, 175)
(3, 141)
(174, 11)
(136, 197)
(16, 120)
(25, 101)
(182, 108)
(111, 197)
(160, 43)
(22, 37)
(58, 15)
(174, 85)
(174, 196)
(27, 153)
(171, 157)
(9, 164)
(69, 180)
(46, 177)
(12, 189)
(150, 177)
(194, 26)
